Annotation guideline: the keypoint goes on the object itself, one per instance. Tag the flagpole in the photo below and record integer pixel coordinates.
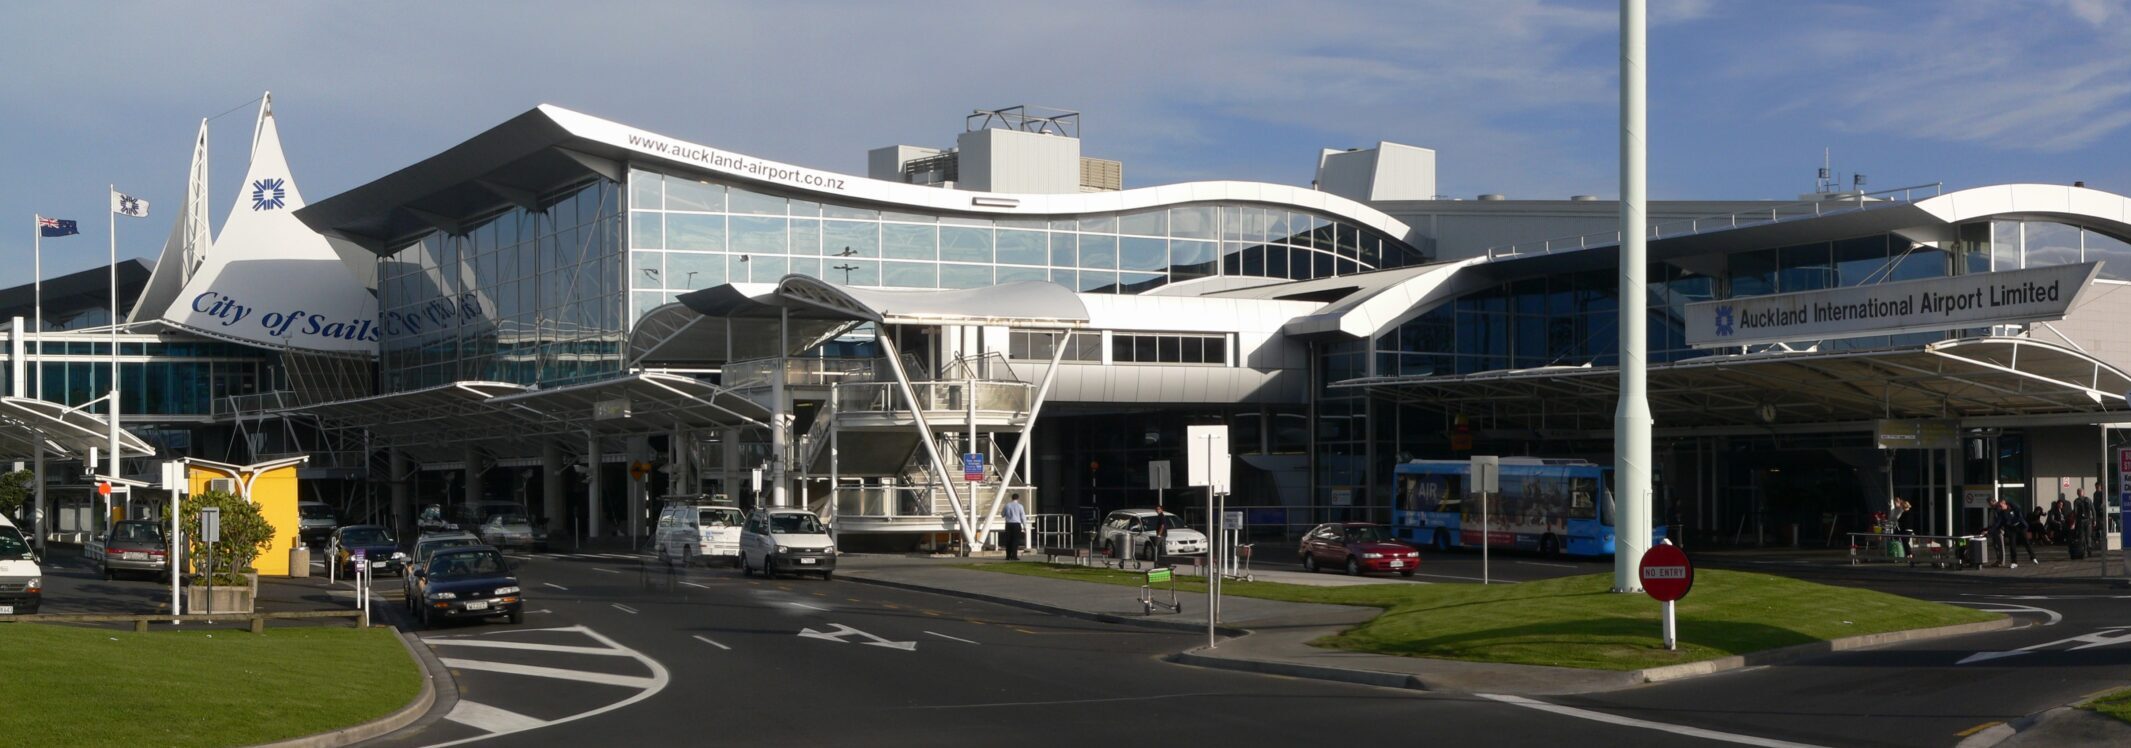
(112, 457)
(39, 531)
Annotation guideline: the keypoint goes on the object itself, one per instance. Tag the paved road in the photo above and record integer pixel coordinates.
(711, 657)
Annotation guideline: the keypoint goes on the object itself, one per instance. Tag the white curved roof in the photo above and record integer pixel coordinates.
(2097, 208)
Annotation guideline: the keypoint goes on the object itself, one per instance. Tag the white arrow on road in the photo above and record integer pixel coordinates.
(2100, 638)
(837, 635)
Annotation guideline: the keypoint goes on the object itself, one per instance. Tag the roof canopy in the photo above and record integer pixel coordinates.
(2000, 378)
(740, 321)
(494, 414)
(27, 422)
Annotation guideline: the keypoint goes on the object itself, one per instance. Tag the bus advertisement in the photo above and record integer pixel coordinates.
(1544, 505)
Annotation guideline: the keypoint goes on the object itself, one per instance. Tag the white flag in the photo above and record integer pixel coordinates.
(128, 205)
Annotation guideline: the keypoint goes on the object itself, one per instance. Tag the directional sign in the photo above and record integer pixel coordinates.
(2100, 638)
(1666, 573)
(840, 631)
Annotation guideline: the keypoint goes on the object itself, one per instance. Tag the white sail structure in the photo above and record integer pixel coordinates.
(268, 279)
(188, 243)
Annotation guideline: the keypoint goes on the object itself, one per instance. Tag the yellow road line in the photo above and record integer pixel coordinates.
(1977, 729)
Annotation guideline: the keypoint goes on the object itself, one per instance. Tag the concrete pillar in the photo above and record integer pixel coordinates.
(551, 498)
(780, 437)
(592, 499)
(402, 495)
(682, 482)
(639, 449)
(473, 475)
(732, 475)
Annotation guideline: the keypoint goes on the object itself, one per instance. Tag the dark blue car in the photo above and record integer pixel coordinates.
(380, 551)
(473, 581)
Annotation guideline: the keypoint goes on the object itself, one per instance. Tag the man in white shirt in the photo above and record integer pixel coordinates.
(1015, 515)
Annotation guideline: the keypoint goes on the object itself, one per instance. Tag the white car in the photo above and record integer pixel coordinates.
(687, 532)
(21, 581)
(786, 541)
(1135, 530)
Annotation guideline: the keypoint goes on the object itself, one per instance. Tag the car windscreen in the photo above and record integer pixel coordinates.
(795, 524)
(508, 519)
(136, 532)
(720, 517)
(473, 564)
(1369, 534)
(12, 545)
(365, 536)
(313, 511)
(1167, 522)
(436, 545)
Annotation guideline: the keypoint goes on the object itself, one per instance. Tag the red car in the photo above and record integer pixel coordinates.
(1357, 547)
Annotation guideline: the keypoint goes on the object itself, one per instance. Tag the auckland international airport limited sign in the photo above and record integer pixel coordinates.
(1976, 300)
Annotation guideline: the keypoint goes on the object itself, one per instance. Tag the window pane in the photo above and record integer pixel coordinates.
(693, 270)
(1195, 222)
(645, 189)
(1804, 268)
(1063, 253)
(650, 269)
(1753, 273)
(851, 272)
(1859, 259)
(965, 276)
(2114, 254)
(965, 244)
(1098, 281)
(1217, 350)
(1140, 282)
(646, 229)
(842, 211)
(863, 239)
(2051, 244)
(1023, 247)
(688, 194)
(1099, 224)
(907, 242)
(767, 268)
(909, 275)
(1098, 252)
(689, 231)
(1010, 274)
(743, 201)
(1137, 253)
(1170, 349)
(756, 235)
(1145, 223)
(806, 237)
(1144, 349)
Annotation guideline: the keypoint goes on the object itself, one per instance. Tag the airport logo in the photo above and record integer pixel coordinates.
(1724, 321)
(268, 194)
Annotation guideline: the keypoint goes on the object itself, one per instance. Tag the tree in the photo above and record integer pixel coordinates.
(15, 490)
(245, 534)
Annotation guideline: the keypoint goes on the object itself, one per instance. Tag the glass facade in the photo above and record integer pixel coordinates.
(157, 378)
(687, 234)
(528, 297)
(2013, 245)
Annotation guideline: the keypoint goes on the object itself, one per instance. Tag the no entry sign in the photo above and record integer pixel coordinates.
(1666, 573)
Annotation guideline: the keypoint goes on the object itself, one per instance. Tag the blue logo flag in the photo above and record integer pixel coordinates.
(51, 227)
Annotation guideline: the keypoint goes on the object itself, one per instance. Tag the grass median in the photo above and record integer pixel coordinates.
(2116, 705)
(1577, 621)
(70, 686)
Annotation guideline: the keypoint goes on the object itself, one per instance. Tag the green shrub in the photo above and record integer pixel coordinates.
(245, 535)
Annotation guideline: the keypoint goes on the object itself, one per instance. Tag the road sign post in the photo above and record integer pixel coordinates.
(1207, 464)
(1667, 576)
(1486, 479)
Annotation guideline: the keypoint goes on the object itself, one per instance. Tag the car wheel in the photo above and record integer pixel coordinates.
(1549, 546)
(1109, 550)
(769, 568)
(1406, 573)
(518, 618)
(1309, 562)
(1353, 566)
(826, 574)
(107, 574)
(1442, 540)
(745, 570)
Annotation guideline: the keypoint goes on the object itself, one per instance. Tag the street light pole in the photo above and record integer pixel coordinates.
(1631, 418)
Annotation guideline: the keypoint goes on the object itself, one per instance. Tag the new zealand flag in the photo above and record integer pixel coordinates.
(51, 227)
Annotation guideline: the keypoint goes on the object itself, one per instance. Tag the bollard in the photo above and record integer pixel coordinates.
(258, 624)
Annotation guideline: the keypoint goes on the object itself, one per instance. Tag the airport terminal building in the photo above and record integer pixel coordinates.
(582, 317)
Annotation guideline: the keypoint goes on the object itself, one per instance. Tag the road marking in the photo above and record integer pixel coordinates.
(632, 681)
(956, 638)
(1991, 734)
(808, 607)
(502, 644)
(1977, 729)
(485, 717)
(1693, 732)
(2054, 616)
(842, 631)
(651, 686)
(1025, 631)
(701, 586)
(607, 571)
(1557, 566)
(714, 644)
(2100, 638)
(623, 608)
(621, 556)
(556, 586)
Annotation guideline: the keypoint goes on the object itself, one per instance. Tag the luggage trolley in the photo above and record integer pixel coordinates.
(1159, 575)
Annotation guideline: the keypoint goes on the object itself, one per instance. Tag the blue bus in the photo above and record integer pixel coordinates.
(1545, 505)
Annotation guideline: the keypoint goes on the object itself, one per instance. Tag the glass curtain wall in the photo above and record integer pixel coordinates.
(163, 378)
(527, 297)
(687, 234)
(2014, 245)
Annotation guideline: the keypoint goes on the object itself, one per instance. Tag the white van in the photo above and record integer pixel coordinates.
(21, 580)
(786, 541)
(688, 531)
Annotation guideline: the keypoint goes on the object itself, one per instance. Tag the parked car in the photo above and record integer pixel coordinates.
(1357, 547)
(21, 580)
(432, 519)
(376, 544)
(315, 521)
(1137, 529)
(777, 541)
(468, 582)
(133, 546)
(507, 530)
(687, 531)
(417, 558)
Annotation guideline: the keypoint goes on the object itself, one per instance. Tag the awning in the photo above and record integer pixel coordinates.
(493, 415)
(451, 413)
(2001, 378)
(26, 422)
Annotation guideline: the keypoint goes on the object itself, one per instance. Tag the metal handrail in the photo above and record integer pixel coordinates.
(885, 397)
(1781, 212)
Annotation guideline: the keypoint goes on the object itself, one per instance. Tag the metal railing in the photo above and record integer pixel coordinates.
(1844, 203)
(800, 372)
(886, 397)
(919, 502)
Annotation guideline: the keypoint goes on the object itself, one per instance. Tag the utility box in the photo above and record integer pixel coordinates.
(300, 561)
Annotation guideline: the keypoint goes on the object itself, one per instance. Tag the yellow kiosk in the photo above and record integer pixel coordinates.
(271, 485)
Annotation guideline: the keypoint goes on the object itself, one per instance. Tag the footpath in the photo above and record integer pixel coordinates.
(1274, 637)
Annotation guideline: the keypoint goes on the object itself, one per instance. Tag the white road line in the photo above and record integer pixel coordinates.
(608, 571)
(714, 644)
(556, 586)
(692, 584)
(1557, 566)
(505, 644)
(1468, 579)
(656, 683)
(610, 679)
(485, 717)
(808, 607)
(622, 556)
(1693, 732)
(956, 638)
(623, 608)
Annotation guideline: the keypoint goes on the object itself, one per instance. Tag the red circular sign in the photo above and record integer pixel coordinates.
(1666, 573)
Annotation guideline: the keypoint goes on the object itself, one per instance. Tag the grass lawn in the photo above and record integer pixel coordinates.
(1577, 621)
(67, 686)
(2116, 705)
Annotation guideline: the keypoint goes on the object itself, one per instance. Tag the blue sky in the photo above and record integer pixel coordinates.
(1517, 96)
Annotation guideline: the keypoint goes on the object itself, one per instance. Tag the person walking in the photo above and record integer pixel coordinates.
(1016, 517)
(2008, 525)
(2082, 519)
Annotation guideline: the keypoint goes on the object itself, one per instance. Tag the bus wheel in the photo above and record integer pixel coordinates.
(1442, 540)
(1549, 546)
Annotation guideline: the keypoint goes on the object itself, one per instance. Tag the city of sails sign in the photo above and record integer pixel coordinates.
(1951, 303)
